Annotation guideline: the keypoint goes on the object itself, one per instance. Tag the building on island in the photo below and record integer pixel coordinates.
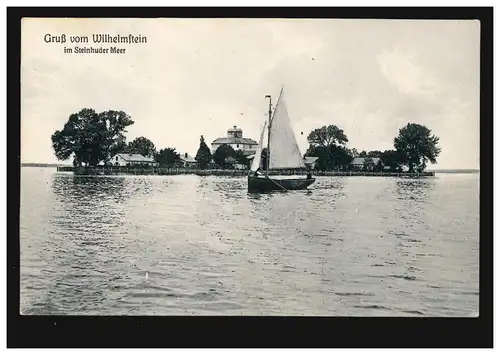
(187, 161)
(236, 141)
(310, 162)
(365, 163)
(122, 159)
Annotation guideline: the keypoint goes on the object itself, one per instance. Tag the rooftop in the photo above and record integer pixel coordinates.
(234, 140)
(310, 160)
(361, 160)
(136, 158)
(187, 158)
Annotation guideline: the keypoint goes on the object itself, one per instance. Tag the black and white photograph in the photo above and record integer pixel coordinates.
(321, 167)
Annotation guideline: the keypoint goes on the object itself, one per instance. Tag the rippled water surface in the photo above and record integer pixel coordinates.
(351, 246)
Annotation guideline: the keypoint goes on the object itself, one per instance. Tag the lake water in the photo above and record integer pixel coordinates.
(169, 245)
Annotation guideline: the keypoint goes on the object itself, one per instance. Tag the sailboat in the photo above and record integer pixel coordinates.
(282, 153)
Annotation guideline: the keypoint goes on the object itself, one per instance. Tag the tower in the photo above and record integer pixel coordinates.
(235, 132)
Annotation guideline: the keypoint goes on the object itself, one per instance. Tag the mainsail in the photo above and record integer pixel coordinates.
(258, 152)
(283, 147)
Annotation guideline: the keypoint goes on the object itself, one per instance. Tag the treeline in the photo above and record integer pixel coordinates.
(92, 138)
(41, 165)
(414, 147)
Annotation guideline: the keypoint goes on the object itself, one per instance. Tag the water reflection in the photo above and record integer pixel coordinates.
(230, 188)
(332, 184)
(69, 187)
(203, 245)
(254, 196)
(414, 189)
(412, 199)
(414, 196)
(87, 235)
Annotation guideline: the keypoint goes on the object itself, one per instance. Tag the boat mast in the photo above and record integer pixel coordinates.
(269, 128)
(268, 134)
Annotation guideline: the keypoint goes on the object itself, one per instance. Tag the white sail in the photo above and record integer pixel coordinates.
(283, 147)
(258, 152)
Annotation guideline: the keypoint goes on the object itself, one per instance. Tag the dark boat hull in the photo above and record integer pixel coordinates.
(266, 184)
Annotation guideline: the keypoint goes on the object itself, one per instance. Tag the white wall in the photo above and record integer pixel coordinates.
(122, 162)
(118, 159)
(188, 164)
(235, 146)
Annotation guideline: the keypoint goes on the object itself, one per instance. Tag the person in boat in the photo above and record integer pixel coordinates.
(309, 175)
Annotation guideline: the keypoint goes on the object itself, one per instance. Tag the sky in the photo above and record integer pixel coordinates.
(198, 77)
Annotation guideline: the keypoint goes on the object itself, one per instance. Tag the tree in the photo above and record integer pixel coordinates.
(326, 136)
(368, 164)
(324, 162)
(141, 145)
(328, 144)
(229, 162)
(417, 145)
(241, 158)
(167, 157)
(115, 122)
(374, 154)
(363, 154)
(120, 146)
(353, 152)
(223, 152)
(331, 157)
(90, 137)
(393, 159)
(203, 156)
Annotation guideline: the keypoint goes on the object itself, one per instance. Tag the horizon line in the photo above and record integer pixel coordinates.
(437, 169)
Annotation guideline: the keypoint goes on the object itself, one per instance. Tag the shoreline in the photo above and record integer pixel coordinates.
(227, 172)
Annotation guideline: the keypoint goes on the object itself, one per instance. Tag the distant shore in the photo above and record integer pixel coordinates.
(65, 167)
(225, 172)
(43, 165)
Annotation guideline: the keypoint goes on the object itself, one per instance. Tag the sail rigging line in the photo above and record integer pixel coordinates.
(271, 118)
(277, 183)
